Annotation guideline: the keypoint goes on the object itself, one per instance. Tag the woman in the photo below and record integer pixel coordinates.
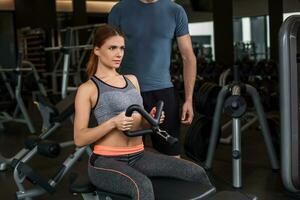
(119, 163)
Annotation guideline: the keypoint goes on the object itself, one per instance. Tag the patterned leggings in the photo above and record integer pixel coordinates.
(128, 174)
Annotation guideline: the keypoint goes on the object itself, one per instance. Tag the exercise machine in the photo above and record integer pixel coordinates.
(72, 54)
(249, 117)
(53, 116)
(24, 171)
(164, 188)
(289, 46)
(19, 113)
(231, 97)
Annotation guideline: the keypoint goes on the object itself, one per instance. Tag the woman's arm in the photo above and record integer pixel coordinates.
(82, 134)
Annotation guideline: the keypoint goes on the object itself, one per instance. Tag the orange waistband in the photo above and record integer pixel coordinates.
(116, 151)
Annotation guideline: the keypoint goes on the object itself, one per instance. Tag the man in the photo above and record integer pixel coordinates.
(150, 27)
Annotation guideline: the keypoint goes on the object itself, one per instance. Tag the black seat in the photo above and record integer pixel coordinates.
(60, 111)
(164, 189)
(82, 187)
(175, 189)
(230, 195)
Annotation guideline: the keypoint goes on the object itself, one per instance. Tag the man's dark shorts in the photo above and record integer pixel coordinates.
(171, 123)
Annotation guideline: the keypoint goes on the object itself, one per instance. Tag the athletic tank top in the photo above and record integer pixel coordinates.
(113, 100)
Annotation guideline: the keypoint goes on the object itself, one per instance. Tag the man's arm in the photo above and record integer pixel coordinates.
(189, 75)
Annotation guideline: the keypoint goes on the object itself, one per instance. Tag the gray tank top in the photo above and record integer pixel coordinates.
(113, 100)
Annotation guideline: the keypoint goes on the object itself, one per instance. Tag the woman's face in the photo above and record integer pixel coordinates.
(110, 54)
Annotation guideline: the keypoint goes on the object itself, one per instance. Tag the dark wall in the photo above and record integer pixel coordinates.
(35, 13)
(79, 13)
(223, 31)
(98, 18)
(201, 5)
(7, 40)
(275, 18)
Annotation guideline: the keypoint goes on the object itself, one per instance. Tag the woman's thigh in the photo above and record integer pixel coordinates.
(117, 177)
(159, 165)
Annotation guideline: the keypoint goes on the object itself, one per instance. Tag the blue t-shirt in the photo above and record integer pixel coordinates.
(149, 29)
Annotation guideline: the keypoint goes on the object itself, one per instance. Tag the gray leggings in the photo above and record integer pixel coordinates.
(129, 174)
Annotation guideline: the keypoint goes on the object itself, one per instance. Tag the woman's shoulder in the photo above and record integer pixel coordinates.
(133, 80)
(87, 87)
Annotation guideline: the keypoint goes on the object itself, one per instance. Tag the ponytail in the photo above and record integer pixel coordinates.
(92, 64)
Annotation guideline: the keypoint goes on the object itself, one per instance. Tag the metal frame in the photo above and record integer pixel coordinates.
(289, 107)
(248, 119)
(19, 178)
(48, 128)
(236, 133)
(6, 117)
(71, 55)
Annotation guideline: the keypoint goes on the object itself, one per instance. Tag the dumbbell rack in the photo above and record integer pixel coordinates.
(236, 106)
(32, 43)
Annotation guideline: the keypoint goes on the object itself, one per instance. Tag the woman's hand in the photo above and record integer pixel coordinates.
(122, 122)
(162, 117)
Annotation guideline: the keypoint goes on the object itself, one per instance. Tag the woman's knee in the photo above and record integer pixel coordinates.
(146, 190)
(198, 173)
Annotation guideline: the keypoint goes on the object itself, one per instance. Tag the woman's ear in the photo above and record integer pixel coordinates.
(96, 51)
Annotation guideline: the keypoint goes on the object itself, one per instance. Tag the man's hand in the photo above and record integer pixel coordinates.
(187, 113)
(162, 117)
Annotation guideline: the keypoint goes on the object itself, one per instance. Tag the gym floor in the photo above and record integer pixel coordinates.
(258, 177)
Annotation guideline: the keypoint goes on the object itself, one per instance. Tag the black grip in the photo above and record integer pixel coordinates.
(48, 148)
(131, 109)
(159, 109)
(144, 113)
(138, 133)
(153, 121)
